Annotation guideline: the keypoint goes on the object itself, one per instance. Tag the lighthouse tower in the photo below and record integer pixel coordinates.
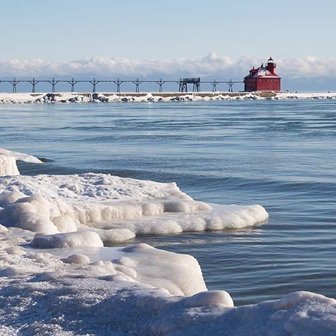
(263, 78)
(271, 65)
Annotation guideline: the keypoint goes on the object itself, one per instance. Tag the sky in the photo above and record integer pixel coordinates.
(167, 38)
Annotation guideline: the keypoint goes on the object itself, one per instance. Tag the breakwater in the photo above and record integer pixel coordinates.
(108, 97)
(105, 97)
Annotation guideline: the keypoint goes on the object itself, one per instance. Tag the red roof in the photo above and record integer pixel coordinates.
(262, 71)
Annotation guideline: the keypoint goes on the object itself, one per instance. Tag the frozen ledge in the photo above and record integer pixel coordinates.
(114, 208)
(8, 160)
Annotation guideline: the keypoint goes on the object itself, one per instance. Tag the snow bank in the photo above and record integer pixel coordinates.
(117, 209)
(66, 97)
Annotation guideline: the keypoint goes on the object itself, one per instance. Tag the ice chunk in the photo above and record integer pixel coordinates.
(38, 214)
(3, 228)
(77, 259)
(20, 156)
(8, 165)
(209, 298)
(71, 239)
(10, 197)
(8, 160)
(179, 273)
(114, 235)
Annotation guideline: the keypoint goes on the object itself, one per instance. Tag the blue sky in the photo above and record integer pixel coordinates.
(60, 31)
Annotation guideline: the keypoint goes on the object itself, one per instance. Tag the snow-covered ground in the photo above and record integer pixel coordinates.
(57, 278)
(66, 97)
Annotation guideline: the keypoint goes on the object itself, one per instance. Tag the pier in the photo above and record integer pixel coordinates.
(117, 85)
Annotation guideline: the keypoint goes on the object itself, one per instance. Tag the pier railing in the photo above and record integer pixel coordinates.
(115, 85)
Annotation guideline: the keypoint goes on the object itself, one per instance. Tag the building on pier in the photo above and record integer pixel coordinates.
(183, 84)
(263, 78)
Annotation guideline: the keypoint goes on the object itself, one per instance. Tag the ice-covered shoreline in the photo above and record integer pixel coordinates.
(78, 97)
(57, 278)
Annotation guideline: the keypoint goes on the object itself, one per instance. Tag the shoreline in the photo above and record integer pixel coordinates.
(112, 97)
(52, 278)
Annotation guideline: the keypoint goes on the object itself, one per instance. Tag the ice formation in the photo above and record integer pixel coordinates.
(136, 290)
(57, 278)
(20, 156)
(8, 161)
(8, 165)
(115, 208)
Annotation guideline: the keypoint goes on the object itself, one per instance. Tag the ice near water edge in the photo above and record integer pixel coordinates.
(57, 278)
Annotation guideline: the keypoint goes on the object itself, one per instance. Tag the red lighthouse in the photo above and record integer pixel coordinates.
(263, 78)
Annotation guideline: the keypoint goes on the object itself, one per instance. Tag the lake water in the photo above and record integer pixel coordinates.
(280, 154)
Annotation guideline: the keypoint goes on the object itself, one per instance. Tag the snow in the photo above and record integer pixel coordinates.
(57, 278)
(302, 95)
(73, 97)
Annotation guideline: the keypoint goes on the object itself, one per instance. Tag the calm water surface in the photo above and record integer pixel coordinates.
(278, 154)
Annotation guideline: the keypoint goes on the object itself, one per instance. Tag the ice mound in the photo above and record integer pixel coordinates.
(142, 257)
(307, 314)
(180, 274)
(77, 259)
(72, 239)
(115, 208)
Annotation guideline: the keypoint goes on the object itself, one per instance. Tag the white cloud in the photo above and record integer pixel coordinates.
(211, 66)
